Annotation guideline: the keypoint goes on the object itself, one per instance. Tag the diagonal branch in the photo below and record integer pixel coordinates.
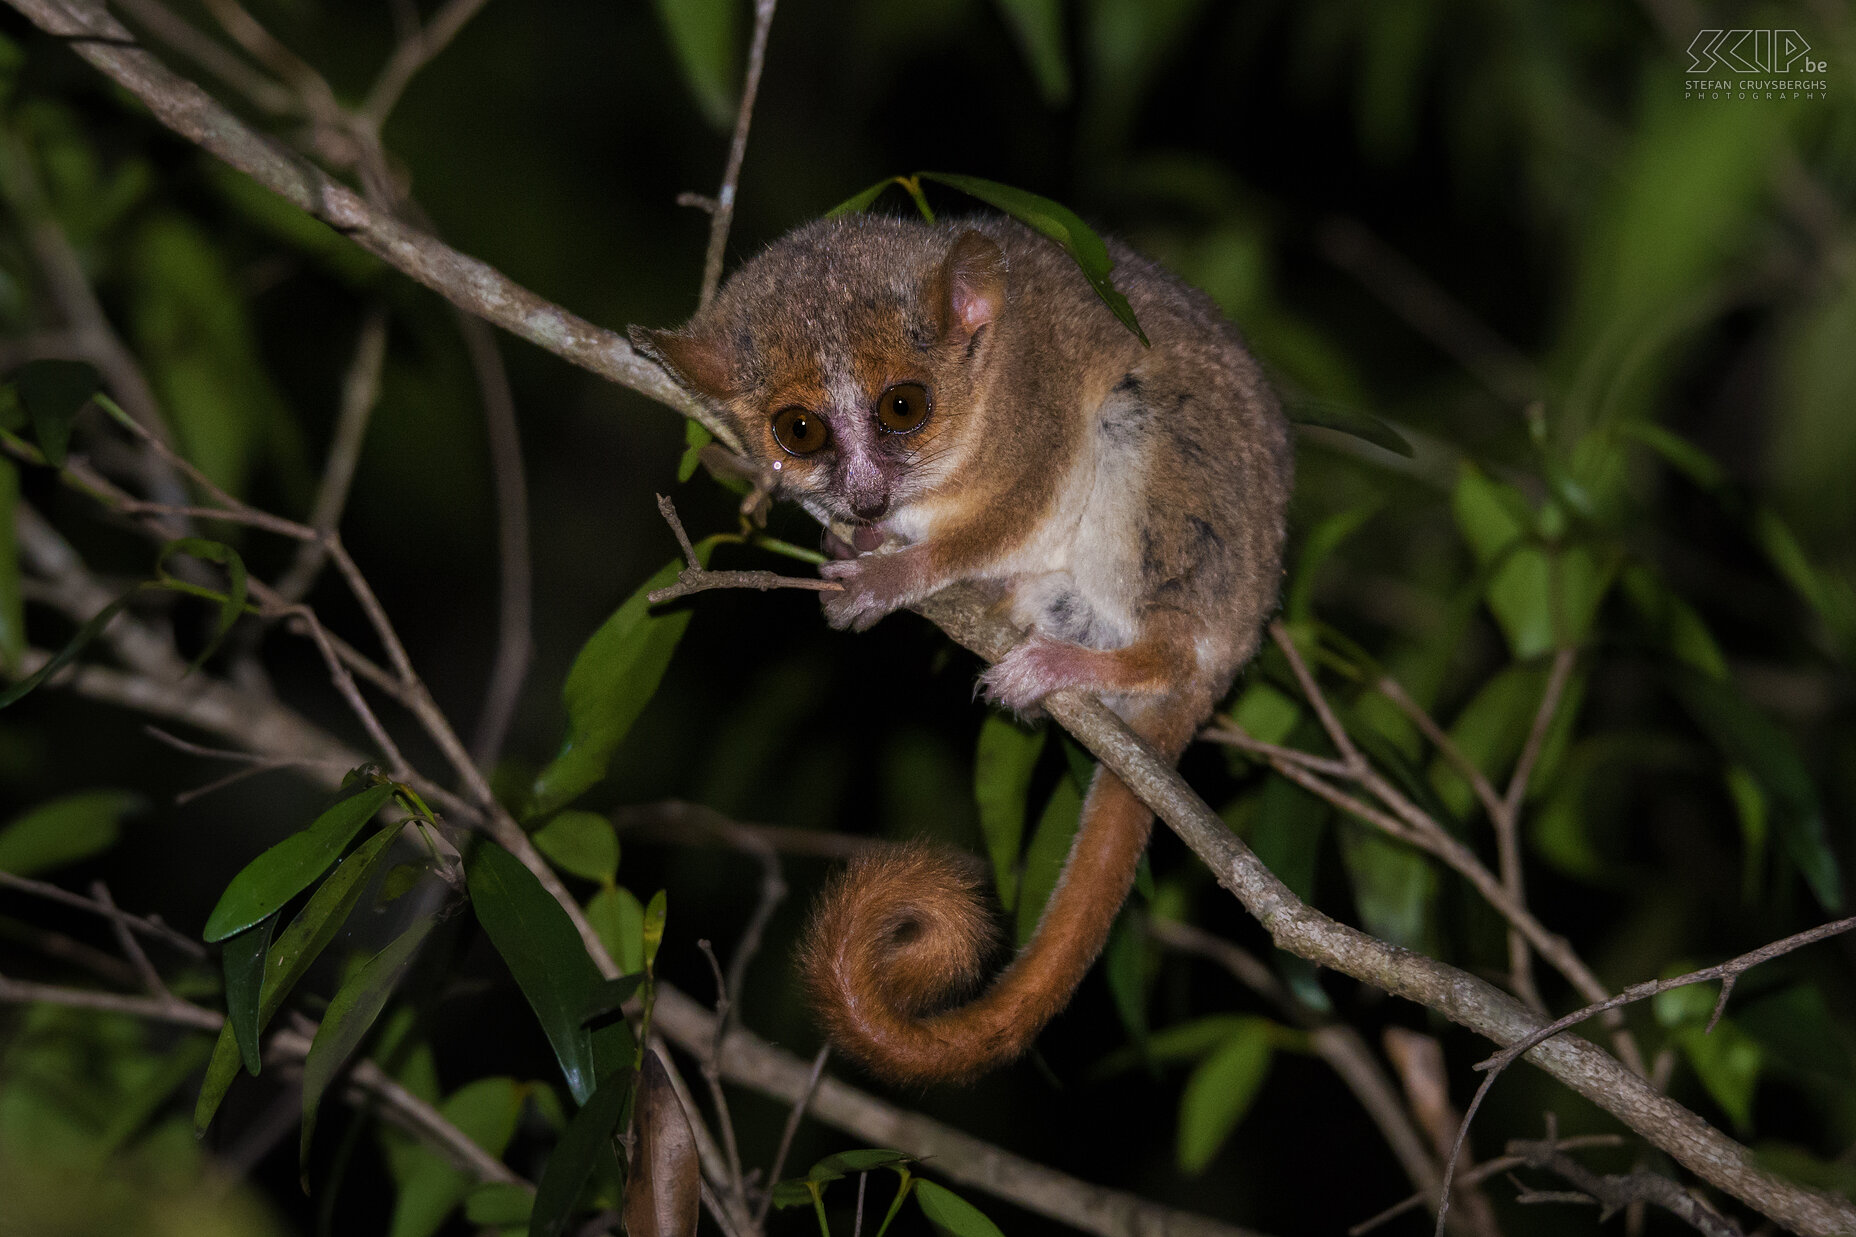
(465, 281)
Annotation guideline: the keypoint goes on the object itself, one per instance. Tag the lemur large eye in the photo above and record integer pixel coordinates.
(902, 408)
(800, 431)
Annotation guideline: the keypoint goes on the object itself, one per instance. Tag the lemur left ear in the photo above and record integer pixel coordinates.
(972, 285)
(702, 363)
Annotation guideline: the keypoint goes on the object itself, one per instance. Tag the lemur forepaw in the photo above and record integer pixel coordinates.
(1034, 669)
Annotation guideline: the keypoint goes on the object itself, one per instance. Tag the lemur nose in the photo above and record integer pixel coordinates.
(870, 508)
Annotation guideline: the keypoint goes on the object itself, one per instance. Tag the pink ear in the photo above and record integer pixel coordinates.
(973, 279)
(700, 362)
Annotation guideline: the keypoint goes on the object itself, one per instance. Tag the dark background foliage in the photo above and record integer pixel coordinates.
(1609, 253)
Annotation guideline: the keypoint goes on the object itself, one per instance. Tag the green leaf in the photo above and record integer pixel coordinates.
(1044, 858)
(286, 869)
(242, 955)
(864, 1160)
(487, 1111)
(499, 1205)
(1355, 421)
(54, 392)
(611, 681)
(655, 912)
(952, 1214)
(1219, 1093)
(63, 831)
(695, 438)
(586, 1144)
(1747, 737)
(1672, 621)
(581, 844)
(1542, 597)
(705, 38)
(85, 634)
(1393, 885)
(856, 204)
(237, 584)
(192, 327)
(795, 1192)
(1320, 542)
(1002, 768)
(617, 917)
(1266, 713)
(1183, 1041)
(543, 953)
(1125, 966)
(12, 601)
(1729, 1062)
(1038, 25)
(351, 1014)
(610, 996)
(1059, 223)
(295, 949)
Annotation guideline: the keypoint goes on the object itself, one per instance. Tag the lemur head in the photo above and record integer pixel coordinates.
(846, 356)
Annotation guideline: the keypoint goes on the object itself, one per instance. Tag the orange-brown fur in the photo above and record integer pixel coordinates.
(1126, 502)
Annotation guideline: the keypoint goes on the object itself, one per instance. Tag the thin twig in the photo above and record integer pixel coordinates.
(1420, 829)
(793, 1118)
(1439, 738)
(1507, 824)
(724, 213)
(700, 581)
(1337, 733)
(1419, 1062)
(148, 926)
(1482, 1172)
(360, 392)
(696, 579)
(411, 54)
(1727, 972)
(209, 54)
(712, 1074)
(131, 948)
(1617, 1192)
(515, 586)
(772, 892)
(156, 1008)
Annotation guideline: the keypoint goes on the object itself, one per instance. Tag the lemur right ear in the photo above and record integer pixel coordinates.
(701, 363)
(972, 285)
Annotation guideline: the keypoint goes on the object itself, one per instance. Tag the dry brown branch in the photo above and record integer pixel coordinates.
(695, 578)
(1476, 1176)
(961, 1158)
(472, 285)
(723, 213)
(1617, 1192)
(1419, 1061)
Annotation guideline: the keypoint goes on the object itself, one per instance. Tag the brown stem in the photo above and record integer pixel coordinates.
(724, 213)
